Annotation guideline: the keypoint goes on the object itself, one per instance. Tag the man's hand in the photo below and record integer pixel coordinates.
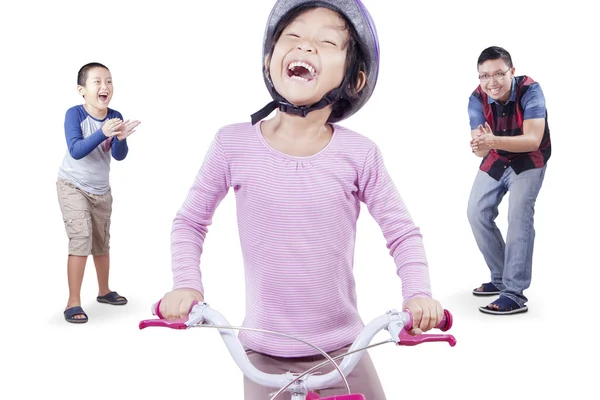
(485, 139)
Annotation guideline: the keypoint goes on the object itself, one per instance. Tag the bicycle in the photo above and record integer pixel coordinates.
(301, 386)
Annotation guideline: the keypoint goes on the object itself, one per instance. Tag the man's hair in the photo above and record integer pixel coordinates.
(494, 53)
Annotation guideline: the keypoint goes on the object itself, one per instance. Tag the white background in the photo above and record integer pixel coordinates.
(186, 69)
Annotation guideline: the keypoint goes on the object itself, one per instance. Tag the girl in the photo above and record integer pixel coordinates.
(299, 179)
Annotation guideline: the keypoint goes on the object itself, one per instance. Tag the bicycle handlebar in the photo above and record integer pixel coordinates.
(396, 323)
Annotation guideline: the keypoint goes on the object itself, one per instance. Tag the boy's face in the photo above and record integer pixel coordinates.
(309, 59)
(98, 89)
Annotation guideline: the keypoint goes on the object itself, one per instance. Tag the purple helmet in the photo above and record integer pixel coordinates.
(368, 42)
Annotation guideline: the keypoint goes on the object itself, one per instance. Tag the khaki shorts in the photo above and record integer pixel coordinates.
(86, 217)
(363, 378)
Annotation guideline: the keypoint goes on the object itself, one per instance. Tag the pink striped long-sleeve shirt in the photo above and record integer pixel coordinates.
(297, 224)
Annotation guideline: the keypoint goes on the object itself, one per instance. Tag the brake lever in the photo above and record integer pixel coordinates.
(195, 317)
(406, 339)
(401, 324)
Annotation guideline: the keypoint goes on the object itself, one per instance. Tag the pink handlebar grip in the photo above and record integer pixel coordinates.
(444, 325)
(446, 322)
(163, 322)
(156, 309)
(406, 339)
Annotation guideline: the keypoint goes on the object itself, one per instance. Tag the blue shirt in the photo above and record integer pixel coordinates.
(533, 104)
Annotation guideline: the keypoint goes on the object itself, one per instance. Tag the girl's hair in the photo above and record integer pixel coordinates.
(355, 60)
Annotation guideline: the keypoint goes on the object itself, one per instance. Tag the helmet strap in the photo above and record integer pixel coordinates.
(288, 108)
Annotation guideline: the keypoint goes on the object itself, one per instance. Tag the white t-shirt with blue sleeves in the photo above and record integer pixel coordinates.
(86, 163)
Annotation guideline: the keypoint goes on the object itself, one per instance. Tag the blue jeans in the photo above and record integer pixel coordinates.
(509, 263)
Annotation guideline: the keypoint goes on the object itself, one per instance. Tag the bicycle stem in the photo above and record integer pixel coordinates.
(239, 354)
(322, 364)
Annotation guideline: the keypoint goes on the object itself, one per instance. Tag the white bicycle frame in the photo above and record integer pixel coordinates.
(299, 385)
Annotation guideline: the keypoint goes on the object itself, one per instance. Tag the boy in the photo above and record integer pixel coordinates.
(93, 133)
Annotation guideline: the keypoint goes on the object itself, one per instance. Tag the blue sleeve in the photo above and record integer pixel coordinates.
(476, 116)
(533, 102)
(119, 148)
(77, 145)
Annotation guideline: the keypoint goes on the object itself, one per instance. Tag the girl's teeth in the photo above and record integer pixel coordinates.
(302, 64)
(299, 78)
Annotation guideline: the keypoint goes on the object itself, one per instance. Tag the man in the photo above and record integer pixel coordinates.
(509, 129)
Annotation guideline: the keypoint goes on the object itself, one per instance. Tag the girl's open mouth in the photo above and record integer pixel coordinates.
(301, 71)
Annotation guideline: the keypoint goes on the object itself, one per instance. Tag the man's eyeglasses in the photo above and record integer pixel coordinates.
(498, 75)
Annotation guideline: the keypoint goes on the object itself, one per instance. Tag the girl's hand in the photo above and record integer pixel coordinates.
(176, 304)
(426, 313)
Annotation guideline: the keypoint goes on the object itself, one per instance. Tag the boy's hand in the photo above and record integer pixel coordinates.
(176, 304)
(111, 127)
(127, 128)
(426, 313)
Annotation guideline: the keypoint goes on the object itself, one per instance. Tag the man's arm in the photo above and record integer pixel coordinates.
(477, 121)
(533, 131)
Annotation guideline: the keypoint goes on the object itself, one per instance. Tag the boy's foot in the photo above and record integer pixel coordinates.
(76, 315)
(113, 298)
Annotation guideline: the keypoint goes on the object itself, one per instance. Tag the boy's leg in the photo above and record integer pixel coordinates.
(486, 195)
(102, 264)
(101, 239)
(101, 214)
(76, 216)
(75, 270)
(524, 189)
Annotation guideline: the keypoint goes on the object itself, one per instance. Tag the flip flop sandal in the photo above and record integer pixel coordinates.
(487, 289)
(113, 298)
(505, 306)
(70, 314)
